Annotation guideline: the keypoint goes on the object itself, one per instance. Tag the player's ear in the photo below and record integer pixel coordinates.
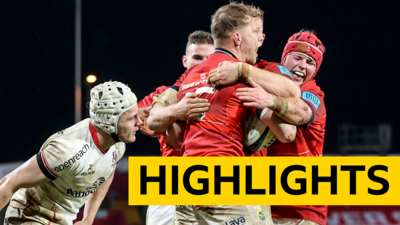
(237, 38)
(184, 61)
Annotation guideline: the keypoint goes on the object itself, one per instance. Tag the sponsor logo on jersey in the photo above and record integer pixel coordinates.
(311, 98)
(89, 171)
(195, 83)
(203, 76)
(260, 215)
(240, 220)
(284, 70)
(115, 158)
(73, 159)
(88, 190)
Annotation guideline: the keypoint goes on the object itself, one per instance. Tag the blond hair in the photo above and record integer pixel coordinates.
(232, 17)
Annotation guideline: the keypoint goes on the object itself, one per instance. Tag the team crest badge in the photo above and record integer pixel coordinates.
(303, 48)
(115, 156)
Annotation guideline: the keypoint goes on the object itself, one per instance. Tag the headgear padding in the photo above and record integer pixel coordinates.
(305, 43)
(108, 101)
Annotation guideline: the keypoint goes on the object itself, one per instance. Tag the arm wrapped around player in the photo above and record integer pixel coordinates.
(174, 135)
(168, 97)
(163, 116)
(257, 97)
(230, 72)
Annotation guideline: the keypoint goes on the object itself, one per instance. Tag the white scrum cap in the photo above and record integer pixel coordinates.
(108, 101)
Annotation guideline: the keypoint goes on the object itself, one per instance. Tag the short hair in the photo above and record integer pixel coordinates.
(232, 17)
(315, 33)
(199, 37)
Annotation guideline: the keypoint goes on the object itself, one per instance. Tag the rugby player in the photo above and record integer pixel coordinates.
(75, 166)
(199, 46)
(237, 31)
(302, 56)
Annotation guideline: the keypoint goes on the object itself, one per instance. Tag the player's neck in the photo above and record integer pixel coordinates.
(105, 140)
(231, 48)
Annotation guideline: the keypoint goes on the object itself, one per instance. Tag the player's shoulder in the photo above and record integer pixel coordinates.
(120, 146)
(82, 126)
(273, 67)
(262, 64)
(161, 89)
(72, 138)
(311, 86)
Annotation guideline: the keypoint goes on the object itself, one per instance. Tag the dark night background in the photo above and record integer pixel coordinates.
(141, 43)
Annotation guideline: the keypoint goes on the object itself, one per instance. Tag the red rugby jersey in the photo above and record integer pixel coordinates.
(205, 68)
(310, 137)
(308, 142)
(147, 101)
(220, 130)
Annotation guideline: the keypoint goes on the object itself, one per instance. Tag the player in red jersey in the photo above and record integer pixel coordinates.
(310, 116)
(164, 112)
(219, 132)
(303, 56)
(199, 46)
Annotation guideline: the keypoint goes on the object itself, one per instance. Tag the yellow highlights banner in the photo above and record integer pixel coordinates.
(264, 180)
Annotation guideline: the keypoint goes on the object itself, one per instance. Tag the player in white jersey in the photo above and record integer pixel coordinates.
(74, 166)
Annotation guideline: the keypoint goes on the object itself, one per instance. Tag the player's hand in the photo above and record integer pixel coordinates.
(226, 73)
(191, 107)
(255, 97)
(144, 128)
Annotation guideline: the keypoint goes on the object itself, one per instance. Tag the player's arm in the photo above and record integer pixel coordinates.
(230, 72)
(293, 110)
(144, 111)
(166, 111)
(93, 203)
(27, 175)
(144, 128)
(298, 112)
(284, 131)
(174, 135)
(257, 97)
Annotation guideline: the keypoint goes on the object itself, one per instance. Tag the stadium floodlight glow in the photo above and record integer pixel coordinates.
(91, 79)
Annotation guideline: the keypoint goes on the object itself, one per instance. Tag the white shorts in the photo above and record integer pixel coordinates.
(160, 214)
(18, 213)
(222, 215)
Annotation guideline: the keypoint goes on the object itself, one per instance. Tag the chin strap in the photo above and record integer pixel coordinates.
(115, 137)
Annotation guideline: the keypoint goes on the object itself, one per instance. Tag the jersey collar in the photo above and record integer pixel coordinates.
(94, 136)
(224, 51)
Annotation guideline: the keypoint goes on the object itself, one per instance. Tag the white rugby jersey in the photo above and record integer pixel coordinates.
(76, 164)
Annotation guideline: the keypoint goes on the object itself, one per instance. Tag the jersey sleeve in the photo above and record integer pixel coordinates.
(314, 97)
(120, 147)
(54, 161)
(180, 80)
(148, 100)
(274, 68)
